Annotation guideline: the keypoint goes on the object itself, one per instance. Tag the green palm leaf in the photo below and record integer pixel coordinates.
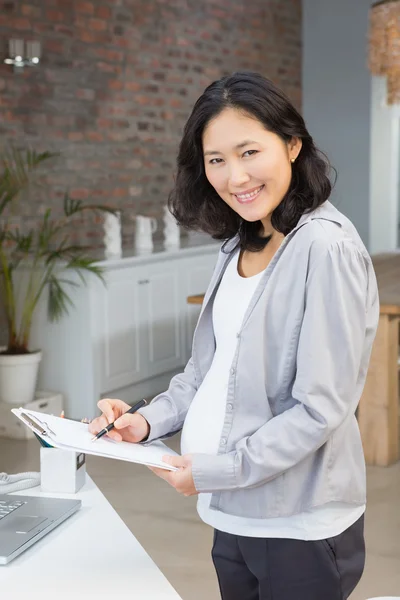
(23, 243)
(17, 167)
(72, 207)
(82, 263)
(46, 251)
(59, 301)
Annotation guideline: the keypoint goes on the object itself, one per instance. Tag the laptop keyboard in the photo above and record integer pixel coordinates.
(7, 507)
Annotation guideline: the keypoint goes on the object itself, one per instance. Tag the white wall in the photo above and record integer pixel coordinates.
(384, 173)
(337, 97)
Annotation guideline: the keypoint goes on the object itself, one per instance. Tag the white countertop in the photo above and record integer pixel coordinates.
(188, 246)
(195, 246)
(90, 556)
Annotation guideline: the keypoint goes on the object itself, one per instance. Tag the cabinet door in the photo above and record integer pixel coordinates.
(160, 302)
(196, 277)
(141, 324)
(117, 326)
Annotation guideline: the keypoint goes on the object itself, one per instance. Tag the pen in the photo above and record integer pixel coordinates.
(132, 410)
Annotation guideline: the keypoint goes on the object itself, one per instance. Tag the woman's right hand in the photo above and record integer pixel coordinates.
(127, 427)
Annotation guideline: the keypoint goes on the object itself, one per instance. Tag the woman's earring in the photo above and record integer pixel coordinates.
(292, 160)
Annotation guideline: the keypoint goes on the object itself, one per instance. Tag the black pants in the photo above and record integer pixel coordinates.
(285, 569)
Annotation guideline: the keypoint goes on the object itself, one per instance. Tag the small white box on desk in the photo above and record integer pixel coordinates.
(11, 427)
(61, 471)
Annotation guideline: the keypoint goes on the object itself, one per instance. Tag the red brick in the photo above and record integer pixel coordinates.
(98, 220)
(29, 11)
(104, 123)
(120, 98)
(148, 164)
(9, 116)
(86, 36)
(6, 102)
(94, 136)
(102, 95)
(132, 86)
(79, 194)
(119, 135)
(115, 110)
(119, 193)
(110, 55)
(107, 68)
(64, 30)
(121, 42)
(80, 22)
(115, 84)
(175, 103)
(142, 74)
(103, 12)
(55, 15)
(55, 46)
(220, 14)
(97, 24)
(143, 100)
(85, 94)
(75, 136)
(42, 27)
(21, 24)
(86, 8)
(117, 165)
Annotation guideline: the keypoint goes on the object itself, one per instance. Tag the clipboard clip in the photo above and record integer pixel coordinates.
(41, 427)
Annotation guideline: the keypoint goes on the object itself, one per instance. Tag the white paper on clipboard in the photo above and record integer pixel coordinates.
(72, 435)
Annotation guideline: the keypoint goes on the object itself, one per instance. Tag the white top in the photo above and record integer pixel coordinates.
(207, 412)
(91, 555)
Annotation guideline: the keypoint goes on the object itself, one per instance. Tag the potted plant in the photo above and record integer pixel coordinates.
(33, 263)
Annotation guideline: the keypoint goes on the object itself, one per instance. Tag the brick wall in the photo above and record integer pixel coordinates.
(117, 81)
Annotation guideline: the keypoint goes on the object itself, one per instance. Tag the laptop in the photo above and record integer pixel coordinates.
(26, 519)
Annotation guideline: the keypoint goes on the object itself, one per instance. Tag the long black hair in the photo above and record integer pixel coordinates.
(195, 203)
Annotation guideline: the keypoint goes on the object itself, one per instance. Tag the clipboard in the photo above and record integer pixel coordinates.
(39, 428)
(65, 434)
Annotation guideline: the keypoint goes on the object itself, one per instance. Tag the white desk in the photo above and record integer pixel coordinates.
(92, 555)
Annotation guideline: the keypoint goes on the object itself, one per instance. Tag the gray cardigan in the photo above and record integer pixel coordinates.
(290, 439)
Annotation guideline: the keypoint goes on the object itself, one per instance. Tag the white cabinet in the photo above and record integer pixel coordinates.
(136, 324)
(161, 295)
(128, 337)
(116, 328)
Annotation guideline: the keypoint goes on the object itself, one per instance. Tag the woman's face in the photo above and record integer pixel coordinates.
(249, 167)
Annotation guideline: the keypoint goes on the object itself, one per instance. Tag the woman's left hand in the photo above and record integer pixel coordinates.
(181, 480)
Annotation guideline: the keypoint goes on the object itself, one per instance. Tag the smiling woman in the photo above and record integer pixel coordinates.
(251, 176)
(247, 145)
(267, 402)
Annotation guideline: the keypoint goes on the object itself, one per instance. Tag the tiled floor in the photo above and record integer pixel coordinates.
(167, 525)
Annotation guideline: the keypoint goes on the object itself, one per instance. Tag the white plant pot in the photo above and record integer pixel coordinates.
(18, 376)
